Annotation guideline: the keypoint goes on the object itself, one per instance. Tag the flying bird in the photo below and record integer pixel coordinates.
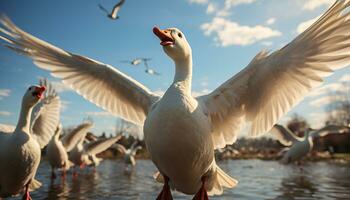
(20, 150)
(181, 132)
(148, 70)
(114, 14)
(152, 72)
(136, 61)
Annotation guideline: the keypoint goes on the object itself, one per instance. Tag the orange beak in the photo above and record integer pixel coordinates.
(39, 91)
(164, 36)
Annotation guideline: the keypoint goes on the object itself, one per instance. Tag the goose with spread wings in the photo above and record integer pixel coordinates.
(58, 148)
(85, 154)
(20, 150)
(128, 154)
(301, 146)
(114, 13)
(182, 131)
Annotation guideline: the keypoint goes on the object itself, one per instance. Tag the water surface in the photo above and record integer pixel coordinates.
(257, 180)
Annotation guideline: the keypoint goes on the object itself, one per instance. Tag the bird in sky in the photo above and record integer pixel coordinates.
(114, 14)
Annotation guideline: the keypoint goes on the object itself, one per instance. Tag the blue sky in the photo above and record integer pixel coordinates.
(224, 35)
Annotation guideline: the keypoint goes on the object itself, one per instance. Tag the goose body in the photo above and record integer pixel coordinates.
(20, 158)
(184, 150)
(20, 151)
(57, 154)
(181, 132)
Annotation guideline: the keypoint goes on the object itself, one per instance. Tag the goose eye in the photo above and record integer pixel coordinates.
(29, 89)
(180, 35)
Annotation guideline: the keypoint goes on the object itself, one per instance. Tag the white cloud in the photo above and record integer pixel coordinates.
(271, 21)
(345, 78)
(211, 8)
(5, 113)
(326, 100)
(60, 87)
(322, 101)
(200, 93)
(304, 25)
(64, 105)
(159, 92)
(267, 43)
(313, 4)
(233, 3)
(317, 119)
(231, 33)
(99, 114)
(198, 1)
(4, 93)
(328, 88)
(7, 128)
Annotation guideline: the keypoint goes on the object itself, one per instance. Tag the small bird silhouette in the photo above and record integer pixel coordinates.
(136, 61)
(114, 14)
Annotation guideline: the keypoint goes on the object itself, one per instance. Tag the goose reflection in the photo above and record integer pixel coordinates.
(58, 190)
(296, 186)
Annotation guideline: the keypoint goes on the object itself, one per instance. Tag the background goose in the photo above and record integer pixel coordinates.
(20, 151)
(85, 154)
(57, 149)
(181, 132)
(129, 154)
(301, 146)
(57, 154)
(114, 13)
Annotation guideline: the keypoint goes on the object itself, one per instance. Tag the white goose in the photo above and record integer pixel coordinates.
(181, 132)
(85, 154)
(57, 154)
(301, 146)
(129, 154)
(20, 151)
(57, 150)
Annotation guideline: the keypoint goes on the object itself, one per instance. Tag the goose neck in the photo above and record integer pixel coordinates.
(183, 72)
(24, 118)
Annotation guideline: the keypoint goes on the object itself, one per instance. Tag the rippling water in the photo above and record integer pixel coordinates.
(257, 180)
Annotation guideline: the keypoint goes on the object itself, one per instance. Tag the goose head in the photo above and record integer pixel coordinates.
(33, 95)
(174, 43)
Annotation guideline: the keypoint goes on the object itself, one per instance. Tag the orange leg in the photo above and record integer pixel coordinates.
(165, 194)
(26, 195)
(202, 193)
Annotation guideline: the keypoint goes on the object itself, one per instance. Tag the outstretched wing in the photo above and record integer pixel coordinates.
(103, 9)
(99, 83)
(116, 8)
(47, 117)
(330, 129)
(100, 145)
(284, 135)
(120, 148)
(71, 139)
(272, 84)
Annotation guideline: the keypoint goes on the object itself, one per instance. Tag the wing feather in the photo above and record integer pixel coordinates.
(99, 83)
(71, 139)
(47, 117)
(100, 145)
(273, 83)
